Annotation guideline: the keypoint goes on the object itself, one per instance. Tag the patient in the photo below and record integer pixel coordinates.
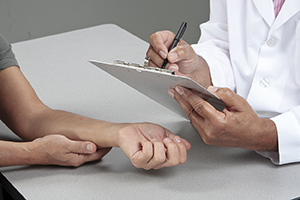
(55, 137)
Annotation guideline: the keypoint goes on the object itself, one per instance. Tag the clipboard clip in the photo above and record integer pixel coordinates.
(145, 66)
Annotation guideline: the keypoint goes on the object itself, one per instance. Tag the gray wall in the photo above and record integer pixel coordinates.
(27, 19)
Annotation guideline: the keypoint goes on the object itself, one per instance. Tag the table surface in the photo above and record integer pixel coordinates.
(58, 69)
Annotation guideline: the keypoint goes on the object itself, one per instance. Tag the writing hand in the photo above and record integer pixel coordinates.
(182, 59)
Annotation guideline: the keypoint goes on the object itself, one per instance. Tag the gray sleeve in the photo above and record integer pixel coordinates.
(7, 57)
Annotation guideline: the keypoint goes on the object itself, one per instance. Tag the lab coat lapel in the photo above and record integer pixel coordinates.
(288, 10)
(266, 9)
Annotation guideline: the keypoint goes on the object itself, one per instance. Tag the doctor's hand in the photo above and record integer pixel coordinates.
(236, 126)
(150, 146)
(182, 59)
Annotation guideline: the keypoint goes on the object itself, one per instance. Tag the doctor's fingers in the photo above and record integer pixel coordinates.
(232, 100)
(197, 120)
(184, 104)
(202, 107)
(155, 59)
(183, 51)
(158, 50)
(161, 41)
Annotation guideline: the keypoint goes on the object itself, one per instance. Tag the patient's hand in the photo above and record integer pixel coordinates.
(151, 146)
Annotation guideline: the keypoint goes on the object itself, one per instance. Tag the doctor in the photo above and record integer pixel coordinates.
(249, 56)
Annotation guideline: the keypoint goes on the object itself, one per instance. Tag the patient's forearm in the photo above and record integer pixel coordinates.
(15, 153)
(73, 126)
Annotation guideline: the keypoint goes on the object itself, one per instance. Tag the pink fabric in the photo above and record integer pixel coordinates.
(277, 6)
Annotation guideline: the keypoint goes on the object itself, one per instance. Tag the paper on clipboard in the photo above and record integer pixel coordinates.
(155, 84)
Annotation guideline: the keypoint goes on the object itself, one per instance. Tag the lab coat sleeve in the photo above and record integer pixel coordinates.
(288, 128)
(213, 45)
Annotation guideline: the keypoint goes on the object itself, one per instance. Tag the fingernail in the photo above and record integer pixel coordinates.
(212, 88)
(179, 90)
(168, 140)
(174, 68)
(177, 139)
(163, 55)
(171, 92)
(89, 147)
(173, 56)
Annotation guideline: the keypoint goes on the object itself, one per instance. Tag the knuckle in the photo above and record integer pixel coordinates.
(181, 52)
(190, 112)
(193, 116)
(171, 145)
(148, 155)
(159, 158)
(227, 92)
(154, 36)
(174, 162)
(183, 161)
(207, 140)
(214, 134)
(80, 150)
(137, 165)
(199, 106)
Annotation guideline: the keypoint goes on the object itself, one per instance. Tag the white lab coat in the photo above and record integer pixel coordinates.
(258, 56)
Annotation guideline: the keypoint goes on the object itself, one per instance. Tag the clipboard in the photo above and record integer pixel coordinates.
(155, 82)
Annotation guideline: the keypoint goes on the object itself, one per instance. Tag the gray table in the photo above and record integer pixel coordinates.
(57, 68)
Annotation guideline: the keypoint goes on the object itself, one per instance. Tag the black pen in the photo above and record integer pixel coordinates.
(176, 40)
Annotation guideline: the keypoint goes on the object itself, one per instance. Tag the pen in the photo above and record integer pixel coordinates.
(176, 40)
